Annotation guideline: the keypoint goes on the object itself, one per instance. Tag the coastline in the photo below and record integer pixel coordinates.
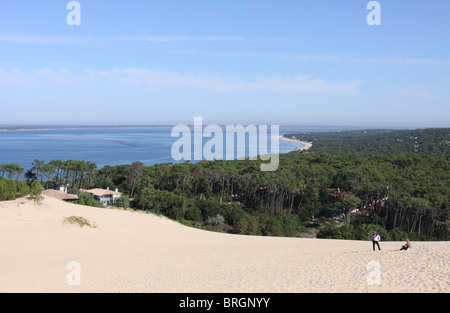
(45, 128)
(306, 145)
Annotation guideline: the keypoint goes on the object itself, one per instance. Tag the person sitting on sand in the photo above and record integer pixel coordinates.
(406, 246)
(375, 240)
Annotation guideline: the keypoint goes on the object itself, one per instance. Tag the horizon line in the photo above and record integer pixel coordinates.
(30, 127)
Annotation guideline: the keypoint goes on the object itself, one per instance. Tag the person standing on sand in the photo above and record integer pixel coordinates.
(375, 241)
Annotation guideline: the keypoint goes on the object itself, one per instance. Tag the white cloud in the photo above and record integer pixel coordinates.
(298, 84)
(335, 58)
(14, 77)
(51, 78)
(151, 38)
(24, 38)
(42, 40)
(27, 38)
(303, 84)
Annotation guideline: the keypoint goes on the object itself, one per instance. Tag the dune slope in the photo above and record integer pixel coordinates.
(135, 252)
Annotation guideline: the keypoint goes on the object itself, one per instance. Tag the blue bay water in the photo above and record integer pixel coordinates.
(109, 146)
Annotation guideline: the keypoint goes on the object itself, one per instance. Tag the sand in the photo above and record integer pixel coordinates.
(135, 252)
(306, 145)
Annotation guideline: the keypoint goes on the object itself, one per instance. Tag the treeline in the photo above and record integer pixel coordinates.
(407, 193)
(79, 174)
(378, 142)
(11, 189)
(401, 194)
(415, 190)
(11, 170)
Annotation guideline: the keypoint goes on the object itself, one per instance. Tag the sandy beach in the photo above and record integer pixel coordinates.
(136, 252)
(306, 145)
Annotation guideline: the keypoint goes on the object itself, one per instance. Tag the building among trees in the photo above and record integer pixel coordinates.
(104, 196)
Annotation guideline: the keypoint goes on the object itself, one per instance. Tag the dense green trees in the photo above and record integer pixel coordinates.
(85, 198)
(8, 189)
(405, 192)
(11, 170)
(401, 192)
(78, 174)
(11, 189)
(395, 182)
(36, 190)
(376, 142)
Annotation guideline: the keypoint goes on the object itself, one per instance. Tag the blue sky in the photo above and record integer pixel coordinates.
(304, 62)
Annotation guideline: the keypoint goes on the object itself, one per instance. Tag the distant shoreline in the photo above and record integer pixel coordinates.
(24, 128)
(34, 128)
(306, 145)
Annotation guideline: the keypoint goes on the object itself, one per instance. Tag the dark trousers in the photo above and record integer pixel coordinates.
(376, 243)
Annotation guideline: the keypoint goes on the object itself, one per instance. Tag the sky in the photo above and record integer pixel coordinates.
(287, 62)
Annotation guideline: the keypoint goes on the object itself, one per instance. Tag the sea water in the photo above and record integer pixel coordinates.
(108, 146)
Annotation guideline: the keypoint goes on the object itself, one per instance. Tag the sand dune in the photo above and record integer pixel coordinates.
(134, 252)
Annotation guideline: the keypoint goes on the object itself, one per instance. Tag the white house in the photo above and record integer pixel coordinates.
(105, 196)
(61, 187)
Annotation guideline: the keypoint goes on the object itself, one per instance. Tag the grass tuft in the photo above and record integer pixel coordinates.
(79, 221)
